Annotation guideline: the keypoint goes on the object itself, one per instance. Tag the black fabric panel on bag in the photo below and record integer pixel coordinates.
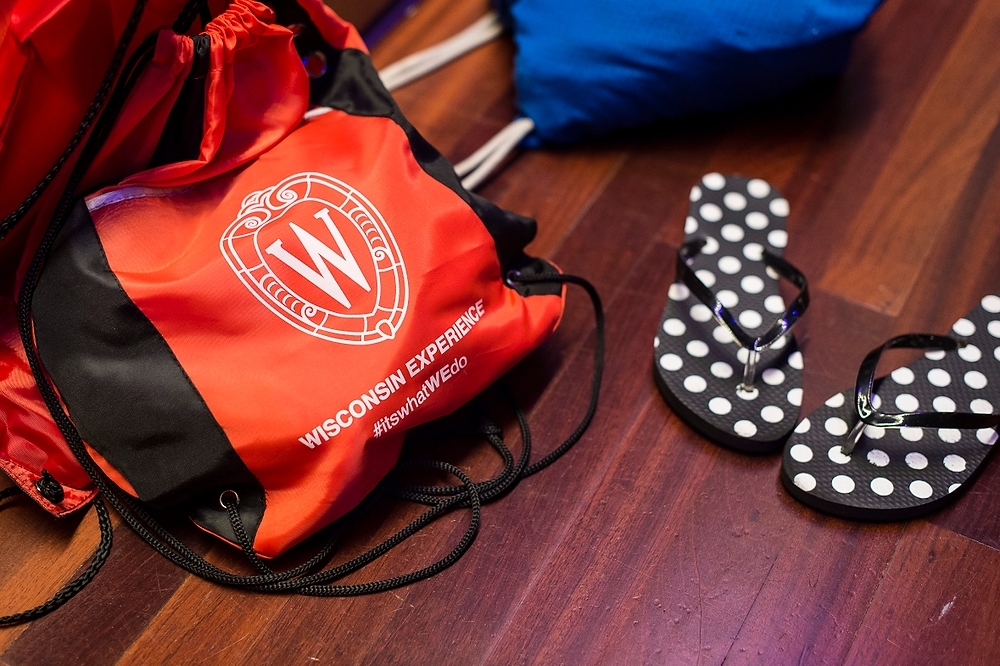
(126, 392)
(357, 89)
(181, 138)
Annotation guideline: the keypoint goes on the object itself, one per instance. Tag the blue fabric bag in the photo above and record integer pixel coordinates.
(588, 67)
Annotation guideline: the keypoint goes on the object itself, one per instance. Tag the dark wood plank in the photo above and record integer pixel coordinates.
(134, 577)
(555, 187)
(917, 188)
(936, 603)
(893, 62)
(685, 553)
(815, 597)
(41, 554)
(362, 13)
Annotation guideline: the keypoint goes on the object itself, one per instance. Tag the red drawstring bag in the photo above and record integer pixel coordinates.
(33, 442)
(245, 331)
(51, 58)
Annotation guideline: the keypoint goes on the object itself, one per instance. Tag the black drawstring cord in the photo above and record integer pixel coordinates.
(231, 502)
(69, 590)
(317, 584)
(463, 545)
(103, 517)
(192, 10)
(492, 489)
(595, 384)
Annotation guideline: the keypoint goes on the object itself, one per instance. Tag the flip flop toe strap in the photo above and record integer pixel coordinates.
(868, 415)
(686, 255)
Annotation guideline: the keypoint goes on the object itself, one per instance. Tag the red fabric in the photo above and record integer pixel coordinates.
(53, 55)
(29, 439)
(257, 92)
(244, 49)
(269, 383)
(52, 59)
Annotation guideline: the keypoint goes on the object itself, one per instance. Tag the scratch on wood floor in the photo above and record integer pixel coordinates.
(756, 597)
(224, 648)
(947, 607)
(701, 608)
(633, 569)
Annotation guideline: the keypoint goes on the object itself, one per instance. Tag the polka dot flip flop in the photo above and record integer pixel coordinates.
(850, 459)
(723, 358)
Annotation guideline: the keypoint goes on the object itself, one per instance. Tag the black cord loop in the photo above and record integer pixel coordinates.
(192, 10)
(71, 588)
(595, 385)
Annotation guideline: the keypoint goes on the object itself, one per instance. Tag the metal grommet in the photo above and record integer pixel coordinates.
(231, 494)
(511, 278)
(315, 64)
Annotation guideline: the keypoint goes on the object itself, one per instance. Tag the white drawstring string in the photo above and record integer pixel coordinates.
(478, 166)
(414, 66)
(318, 111)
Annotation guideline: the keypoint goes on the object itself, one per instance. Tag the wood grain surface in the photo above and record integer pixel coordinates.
(646, 544)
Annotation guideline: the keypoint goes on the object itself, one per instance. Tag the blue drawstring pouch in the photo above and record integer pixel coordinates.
(588, 67)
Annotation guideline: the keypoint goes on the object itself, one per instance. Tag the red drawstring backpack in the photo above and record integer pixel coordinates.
(52, 58)
(244, 329)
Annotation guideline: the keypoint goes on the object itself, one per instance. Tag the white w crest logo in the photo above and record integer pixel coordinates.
(322, 257)
(364, 313)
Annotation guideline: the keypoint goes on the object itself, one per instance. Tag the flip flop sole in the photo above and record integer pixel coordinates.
(697, 364)
(896, 474)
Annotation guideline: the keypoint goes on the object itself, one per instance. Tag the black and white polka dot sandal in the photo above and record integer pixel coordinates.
(720, 365)
(850, 459)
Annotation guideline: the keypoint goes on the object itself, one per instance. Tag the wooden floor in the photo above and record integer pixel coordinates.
(647, 543)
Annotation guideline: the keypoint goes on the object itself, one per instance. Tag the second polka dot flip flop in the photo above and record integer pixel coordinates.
(850, 459)
(723, 356)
